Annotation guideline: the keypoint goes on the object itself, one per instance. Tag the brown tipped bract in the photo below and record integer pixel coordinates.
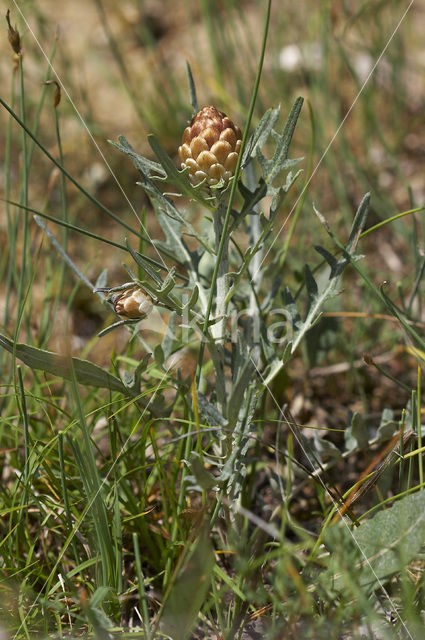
(210, 147)
(14, 37)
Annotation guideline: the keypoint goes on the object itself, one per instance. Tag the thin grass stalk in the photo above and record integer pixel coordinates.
(401, 474)
(40, 105)
(117, 538)
(61, 278)
(141, 587)
(90, 477)
(165, 489)
(115, 50)
(243, 54)
(226, 223)
(419, 424)
(68, 516)
(89, 234)
(25, 475)
(24, 195)
(63, 195)
(208, 10)
(391, 219)
(180, 503)
(416, 290)
(301, 197)
(75, 182)
(11, 229)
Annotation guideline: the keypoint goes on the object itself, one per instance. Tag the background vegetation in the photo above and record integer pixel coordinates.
(109, 525)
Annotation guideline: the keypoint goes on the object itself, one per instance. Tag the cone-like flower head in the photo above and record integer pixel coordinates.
(210, 147)
(133, 303)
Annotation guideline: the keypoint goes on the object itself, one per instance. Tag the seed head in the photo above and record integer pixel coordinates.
(14, 37)
(210, 147)
(133, 303)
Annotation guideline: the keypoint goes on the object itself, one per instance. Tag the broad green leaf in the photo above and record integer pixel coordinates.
(380, 547)
(86, 372)
(189, 590)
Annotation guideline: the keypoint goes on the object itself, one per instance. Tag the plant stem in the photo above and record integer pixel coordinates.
(224, 237)
(218, 330)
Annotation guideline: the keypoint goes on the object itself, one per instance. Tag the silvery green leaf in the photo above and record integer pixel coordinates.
(251, 198)
(310, 283)
(169, 339)
(239, 354)
(331, 287)
(127, 379)
(388, 426)
(356, 435)
(143, 264)
(151, 171)
(147, 167)
(271, 168)
(169, 282)
(277, 364)
(240, 385)
(291, 309)
(179, 179)
(102, 280)
(173, 233)
(261, 134)
(332, 262)
(326, 448)
(358, 224)
(114, 326)
(242, 438)
(159, 355)
(192, 300)
(210, 412)
(204, 479)
(292, 177)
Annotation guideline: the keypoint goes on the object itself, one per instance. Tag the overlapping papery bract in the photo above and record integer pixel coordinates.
(210, 147)
(133, 303)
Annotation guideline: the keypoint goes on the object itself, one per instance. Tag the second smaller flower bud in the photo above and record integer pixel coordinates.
(134, 304)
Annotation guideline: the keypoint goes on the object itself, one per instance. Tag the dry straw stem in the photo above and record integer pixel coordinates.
(14, 37)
